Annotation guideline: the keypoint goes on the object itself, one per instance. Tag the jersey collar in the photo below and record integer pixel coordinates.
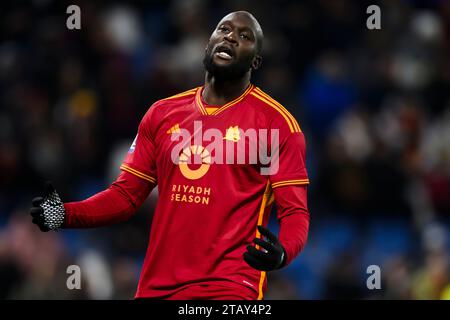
(205, 110)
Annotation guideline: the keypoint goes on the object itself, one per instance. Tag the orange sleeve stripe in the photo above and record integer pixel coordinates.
(294, 121)
(182, 94)
(290, 182)
(276, 108)
(137, 173)
(261, 283)
(266, 197)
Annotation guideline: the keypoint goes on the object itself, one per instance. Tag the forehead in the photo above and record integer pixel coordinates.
(239, 20)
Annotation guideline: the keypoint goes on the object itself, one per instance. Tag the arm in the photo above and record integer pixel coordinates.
(289, 180)
(115, 204)
(293, 217)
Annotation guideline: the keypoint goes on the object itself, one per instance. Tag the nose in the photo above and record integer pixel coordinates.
(231, 37)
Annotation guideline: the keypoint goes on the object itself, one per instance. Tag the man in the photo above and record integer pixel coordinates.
(213, 202)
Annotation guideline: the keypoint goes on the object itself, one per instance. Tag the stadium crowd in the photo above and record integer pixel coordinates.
(374, 106)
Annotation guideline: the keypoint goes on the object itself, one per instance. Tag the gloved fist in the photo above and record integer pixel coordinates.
(273, 255)
(48, 212)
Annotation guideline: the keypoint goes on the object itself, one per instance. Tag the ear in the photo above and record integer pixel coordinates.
(256, 63)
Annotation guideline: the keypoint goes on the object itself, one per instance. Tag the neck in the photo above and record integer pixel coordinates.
(218, 92)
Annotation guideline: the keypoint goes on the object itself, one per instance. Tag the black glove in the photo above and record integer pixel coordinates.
(271, 258)
(48, 212)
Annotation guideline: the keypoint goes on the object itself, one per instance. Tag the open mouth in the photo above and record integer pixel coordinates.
(224, 52)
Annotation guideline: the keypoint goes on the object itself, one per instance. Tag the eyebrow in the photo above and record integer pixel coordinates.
(244, 28)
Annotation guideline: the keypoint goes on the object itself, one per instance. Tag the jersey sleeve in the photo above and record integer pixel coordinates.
(116, 204)
(288, 164)
(140, 159)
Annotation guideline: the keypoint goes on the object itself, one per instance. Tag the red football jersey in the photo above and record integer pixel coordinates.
(212, 192)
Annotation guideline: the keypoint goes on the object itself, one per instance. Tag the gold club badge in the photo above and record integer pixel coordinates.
(232, 134)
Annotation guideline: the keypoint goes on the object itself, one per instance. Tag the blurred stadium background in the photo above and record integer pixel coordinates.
(374, 106)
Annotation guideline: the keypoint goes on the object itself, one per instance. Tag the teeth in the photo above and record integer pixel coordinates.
(224, 55)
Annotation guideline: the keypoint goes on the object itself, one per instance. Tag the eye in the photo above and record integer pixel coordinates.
(223, 28)
(245, 36)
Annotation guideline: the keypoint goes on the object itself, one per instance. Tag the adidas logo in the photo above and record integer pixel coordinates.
(174, 129)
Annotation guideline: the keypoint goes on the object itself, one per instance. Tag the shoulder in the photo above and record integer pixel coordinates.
(154, 117)
(177, 99)
(162, 106)
(278, 114)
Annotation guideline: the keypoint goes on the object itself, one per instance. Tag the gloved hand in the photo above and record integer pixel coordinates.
(273, 255)
(48, 212)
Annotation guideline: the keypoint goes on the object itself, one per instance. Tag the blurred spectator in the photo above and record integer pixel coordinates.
(374, 106)
(431, 281)
(342, 279)
(397, 279)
